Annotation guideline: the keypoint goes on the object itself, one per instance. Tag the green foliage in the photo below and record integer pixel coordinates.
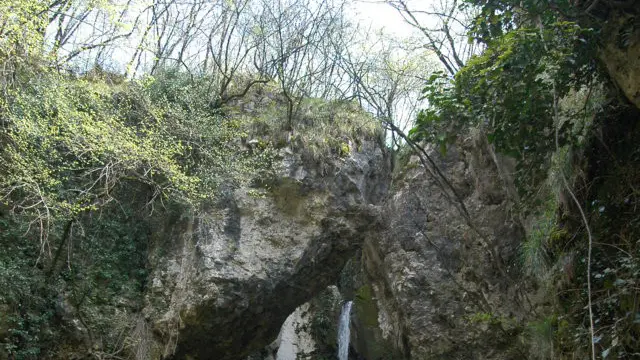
(323, 327)
(321, 129)
(446, 115)
(27, 301)
(535, 92)
(507, 324)
(67, 138)
(510, 91)
(99, 283)
(21, 34)
(497, 17)
(535, 255)
(210, 137)
(71, 143)
(611, 204)
(106, 274)
(101, 154)
(618, 310)
(541, 335)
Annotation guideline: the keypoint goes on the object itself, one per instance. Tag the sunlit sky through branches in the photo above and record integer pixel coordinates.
(381, 16)
(320, 48)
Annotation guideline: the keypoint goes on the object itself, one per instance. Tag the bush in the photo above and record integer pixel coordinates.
(86, 162)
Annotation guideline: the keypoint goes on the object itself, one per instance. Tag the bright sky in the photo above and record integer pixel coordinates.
(382, 16)
(376, 14)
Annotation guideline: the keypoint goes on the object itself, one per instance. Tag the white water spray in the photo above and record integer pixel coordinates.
(343, 331)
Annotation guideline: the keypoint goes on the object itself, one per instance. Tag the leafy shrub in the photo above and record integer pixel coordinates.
(510, 91)
(86, 163)
(321, 129)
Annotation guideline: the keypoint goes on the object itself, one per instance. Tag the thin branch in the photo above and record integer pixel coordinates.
(443, 183)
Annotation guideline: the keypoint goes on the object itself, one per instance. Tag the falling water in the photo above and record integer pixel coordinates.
(343, 331)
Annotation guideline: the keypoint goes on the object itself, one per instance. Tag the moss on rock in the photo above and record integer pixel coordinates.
(368, 336)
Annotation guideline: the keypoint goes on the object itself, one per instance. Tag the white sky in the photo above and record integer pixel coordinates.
(376, 15)
(382, 16)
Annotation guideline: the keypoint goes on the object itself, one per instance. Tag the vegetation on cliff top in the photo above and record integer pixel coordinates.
(92, 148)
(540, 93)
(91, 158)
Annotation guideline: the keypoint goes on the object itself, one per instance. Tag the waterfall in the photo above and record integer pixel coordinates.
(343, 331)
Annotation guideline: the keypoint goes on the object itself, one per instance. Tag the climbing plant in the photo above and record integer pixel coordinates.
(508, 91)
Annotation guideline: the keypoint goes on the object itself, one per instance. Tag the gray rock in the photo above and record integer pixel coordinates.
(444, 288)
(426, 282)
(225, 281)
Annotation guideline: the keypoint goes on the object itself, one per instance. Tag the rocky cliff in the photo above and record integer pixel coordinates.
(438, 286)
(430, 284)
(225, 281)
(262, 272)
(621, 50)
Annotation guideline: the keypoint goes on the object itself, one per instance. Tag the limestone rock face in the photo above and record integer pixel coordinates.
(621, 51)
(224, 282)
(310, 332)
(294, 340)
(443, 287)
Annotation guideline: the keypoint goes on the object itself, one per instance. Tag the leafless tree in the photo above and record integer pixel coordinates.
(387, 79)
(297, 49)
(80, 27)
(230, 46)
(308, 47)
(445, 26)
